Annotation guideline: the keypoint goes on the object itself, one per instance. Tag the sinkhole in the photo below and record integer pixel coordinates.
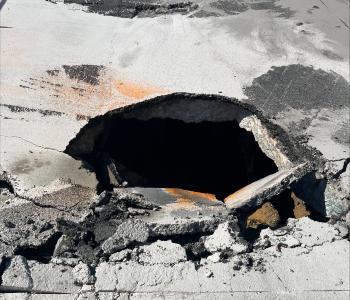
(211, 157)
(190, 142)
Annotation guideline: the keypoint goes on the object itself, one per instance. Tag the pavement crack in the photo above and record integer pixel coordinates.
(30, 142)
(343, 169)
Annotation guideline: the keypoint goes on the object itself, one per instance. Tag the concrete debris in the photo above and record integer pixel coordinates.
(300, 232)
(65, 261)
(25, 225)
(226, 239)
(109, 171)
(312, 233)
(82, 274)
(342, 229)
(261, 190)
(162, 252)
(27, 164)
(181, 211)
(300, 209)
(265, 215)
(121, 256)
(17, 276)
(128, 233)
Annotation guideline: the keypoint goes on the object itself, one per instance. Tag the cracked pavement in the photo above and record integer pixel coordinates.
(77, 223)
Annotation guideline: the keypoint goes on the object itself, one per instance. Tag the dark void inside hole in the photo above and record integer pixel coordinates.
(211, 157)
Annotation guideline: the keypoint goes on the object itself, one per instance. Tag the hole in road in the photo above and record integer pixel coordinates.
(211, 157)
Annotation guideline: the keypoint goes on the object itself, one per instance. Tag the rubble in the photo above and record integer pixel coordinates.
(121, 256)
(82, 274)
(17, 275)
(127, 233)
(265, 215)
(261, 190)
(162, 252)
(300, 232)
(226, 239)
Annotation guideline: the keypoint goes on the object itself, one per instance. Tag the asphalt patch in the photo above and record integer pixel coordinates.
(298, 87)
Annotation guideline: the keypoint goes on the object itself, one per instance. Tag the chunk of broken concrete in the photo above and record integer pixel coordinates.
(181, 211)
(33, 172)
(162, 252)
(268, 238)
(129, 232)
(312, 233)
(265, 215)
(263, 189)
(226, 238)
(16, 276)
(120, 256)
(33, 225)
(303, 231)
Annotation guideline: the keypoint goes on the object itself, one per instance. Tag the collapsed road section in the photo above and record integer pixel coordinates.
(186, 185)
(201, 143)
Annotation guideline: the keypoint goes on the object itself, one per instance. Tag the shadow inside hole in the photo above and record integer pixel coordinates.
(285, 206)
(41, 253)
(5, 185)
(211, 157)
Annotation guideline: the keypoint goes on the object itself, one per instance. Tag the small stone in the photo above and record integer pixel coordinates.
(265, 215)
(299, 209)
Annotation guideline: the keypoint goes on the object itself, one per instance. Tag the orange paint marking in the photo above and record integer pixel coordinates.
(185, 203)
(135, 91)
(190, 195)
(78, 97)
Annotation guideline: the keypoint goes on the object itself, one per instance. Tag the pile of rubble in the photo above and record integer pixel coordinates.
(126, 240)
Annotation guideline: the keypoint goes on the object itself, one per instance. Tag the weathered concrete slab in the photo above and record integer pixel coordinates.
(52, 278)
(182, 211)
(255, 193)
(32, 169)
